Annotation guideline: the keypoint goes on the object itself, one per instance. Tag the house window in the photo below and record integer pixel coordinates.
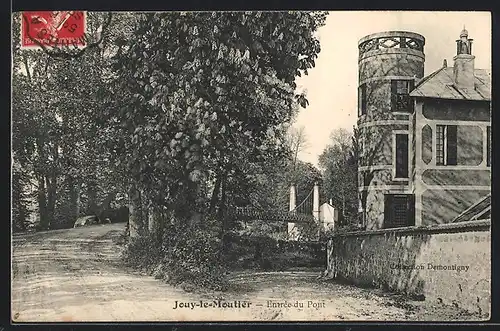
(446, 145)
(399, 210)
(400, 95)
(440, 129)
(362, 99)
(401, 155)
(488, 146)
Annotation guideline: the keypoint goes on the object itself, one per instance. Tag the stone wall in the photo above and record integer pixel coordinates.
(449, 263)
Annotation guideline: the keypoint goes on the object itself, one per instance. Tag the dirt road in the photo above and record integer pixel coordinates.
(76, 275)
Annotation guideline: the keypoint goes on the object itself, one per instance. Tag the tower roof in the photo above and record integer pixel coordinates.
(464, 33)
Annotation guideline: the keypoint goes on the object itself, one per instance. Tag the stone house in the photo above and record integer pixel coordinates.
(425, 141)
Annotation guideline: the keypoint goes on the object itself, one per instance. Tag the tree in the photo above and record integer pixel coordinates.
(297, 140)
(339, 164)
(205, 94)
(58, 138)
(19, 197)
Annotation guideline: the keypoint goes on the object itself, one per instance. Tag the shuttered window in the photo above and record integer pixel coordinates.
(451, 145)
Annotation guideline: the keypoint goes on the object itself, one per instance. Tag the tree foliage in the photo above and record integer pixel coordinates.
(206, 95)
(58, 136)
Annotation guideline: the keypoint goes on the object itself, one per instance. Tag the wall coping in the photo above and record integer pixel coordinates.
(482, 225)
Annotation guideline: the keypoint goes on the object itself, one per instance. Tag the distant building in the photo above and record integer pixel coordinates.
(425, 142)
(328, 216)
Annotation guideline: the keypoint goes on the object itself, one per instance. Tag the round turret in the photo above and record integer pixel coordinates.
(386, 56)
(390, 65)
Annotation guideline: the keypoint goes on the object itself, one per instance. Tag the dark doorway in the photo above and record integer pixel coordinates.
(399, 210)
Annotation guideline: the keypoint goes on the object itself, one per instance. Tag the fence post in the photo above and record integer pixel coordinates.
(316, 202)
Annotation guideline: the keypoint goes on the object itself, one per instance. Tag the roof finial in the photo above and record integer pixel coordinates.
(464, 33)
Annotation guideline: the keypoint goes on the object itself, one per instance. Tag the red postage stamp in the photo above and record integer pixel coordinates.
(53, 28)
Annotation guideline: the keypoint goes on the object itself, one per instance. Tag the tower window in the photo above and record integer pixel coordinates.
(362, 99)
(400, 95)
(401, 162)
(446, 145)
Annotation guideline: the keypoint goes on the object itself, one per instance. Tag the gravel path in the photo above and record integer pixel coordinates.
(75, 275)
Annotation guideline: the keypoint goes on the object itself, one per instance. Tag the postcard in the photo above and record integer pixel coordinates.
(251, 166)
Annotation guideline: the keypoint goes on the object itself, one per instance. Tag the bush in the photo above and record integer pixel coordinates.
(142, 252)
(183, 255)
(194, 256)
(263, 252)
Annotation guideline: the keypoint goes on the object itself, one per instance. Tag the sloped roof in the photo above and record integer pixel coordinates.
(479, 210)
(439, 84)
(327, 203)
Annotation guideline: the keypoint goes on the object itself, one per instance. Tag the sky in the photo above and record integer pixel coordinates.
(332, 84)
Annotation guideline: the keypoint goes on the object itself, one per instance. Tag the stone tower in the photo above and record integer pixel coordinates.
(390, 64)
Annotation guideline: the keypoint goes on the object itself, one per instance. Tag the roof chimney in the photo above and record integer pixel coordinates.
(463, 69)
(445, 63)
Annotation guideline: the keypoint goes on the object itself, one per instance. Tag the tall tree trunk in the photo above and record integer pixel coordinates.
(78, 200)
(68, 152)
(52, 185)
(41, 190)
(144, 211)
(92, 196)
(73, 199)
(215, 194)
(135, 226)
(42, 202)
(222, 205)
(51, 201)
(223, 216)
(343, 203)
(19, 216)
(154, 219)
(141, 214)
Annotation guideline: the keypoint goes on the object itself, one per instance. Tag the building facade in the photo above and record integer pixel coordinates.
(328, 216)
(425, 142)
